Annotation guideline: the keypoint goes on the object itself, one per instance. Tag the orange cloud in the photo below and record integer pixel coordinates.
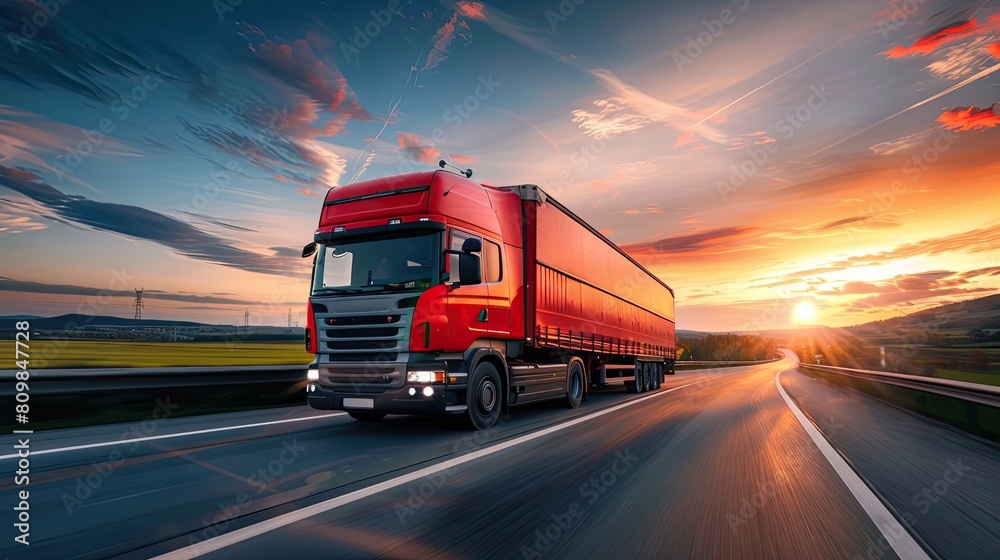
(932, 41)
(686, 139)
(472, 10)
(422, 150)
(970, 118)
(442, 40)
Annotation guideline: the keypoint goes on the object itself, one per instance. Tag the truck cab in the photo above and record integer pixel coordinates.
(411, 282)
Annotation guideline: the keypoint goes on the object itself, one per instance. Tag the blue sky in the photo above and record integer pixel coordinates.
(758, 156)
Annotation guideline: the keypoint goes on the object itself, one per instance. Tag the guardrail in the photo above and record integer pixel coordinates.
(971, 406)
(62, 398)
(63, 381)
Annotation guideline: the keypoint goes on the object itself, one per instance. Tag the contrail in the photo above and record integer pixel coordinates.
(796, 67)
(961, 84)
(392, 111)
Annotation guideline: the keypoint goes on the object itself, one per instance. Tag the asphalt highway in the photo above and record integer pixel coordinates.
(718, 464)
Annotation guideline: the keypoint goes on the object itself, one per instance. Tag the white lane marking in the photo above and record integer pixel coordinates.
(166, 436)
(120, 498)
(250, 531)
(897, 537)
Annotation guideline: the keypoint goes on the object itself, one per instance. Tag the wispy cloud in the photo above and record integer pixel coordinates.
(712, 241)
(25, 286)
(963, 60)
(140, 223)
(656, 110)
(611, 119)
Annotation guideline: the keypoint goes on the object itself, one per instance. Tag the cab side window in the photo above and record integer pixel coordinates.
(492, 267)
(457, 239)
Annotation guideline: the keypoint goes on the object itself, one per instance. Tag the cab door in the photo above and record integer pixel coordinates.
(498, 287)
(468, 306)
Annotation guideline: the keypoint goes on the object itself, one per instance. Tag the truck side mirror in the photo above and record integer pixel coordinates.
(472, 245)
(469, 269)
(308, 250)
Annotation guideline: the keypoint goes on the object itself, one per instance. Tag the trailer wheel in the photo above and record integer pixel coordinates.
(483, 396)
(574, 382)
(367, 416)
(657, 377)
(647, 376)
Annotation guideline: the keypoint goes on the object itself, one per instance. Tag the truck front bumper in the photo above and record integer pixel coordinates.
(391, 401)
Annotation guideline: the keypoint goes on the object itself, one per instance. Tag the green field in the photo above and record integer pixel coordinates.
(55, 354)
(968, 377)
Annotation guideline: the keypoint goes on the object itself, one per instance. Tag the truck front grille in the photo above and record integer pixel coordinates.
(363, 343)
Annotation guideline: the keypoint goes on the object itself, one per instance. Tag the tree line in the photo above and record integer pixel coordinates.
(727, 347)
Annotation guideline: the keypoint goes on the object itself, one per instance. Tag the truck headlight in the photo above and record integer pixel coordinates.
(312, 375)
(425, 376)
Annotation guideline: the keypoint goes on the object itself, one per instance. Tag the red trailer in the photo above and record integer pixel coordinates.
(435, 294)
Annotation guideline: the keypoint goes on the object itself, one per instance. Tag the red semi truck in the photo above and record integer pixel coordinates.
(435, 294)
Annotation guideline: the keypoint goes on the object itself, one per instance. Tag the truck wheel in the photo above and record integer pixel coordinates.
(647, 376)
(574, 381)
(657, 376)
(483, 396)
(367, 416)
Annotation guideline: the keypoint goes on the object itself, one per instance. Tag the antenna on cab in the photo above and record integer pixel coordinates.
(467, 172)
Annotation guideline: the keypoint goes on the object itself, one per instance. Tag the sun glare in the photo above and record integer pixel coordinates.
(805, 313)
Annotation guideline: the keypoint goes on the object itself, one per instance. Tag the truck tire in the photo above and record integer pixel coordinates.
(647, 376)
(657, 376)
(574, 384)
(367, 416)
(483, 397)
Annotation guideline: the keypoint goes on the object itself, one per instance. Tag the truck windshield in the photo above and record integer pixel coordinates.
(402, 263)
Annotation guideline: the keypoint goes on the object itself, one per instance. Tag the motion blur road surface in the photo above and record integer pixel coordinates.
(714, 465)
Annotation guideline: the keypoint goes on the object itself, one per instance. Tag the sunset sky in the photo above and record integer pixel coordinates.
(754, 154)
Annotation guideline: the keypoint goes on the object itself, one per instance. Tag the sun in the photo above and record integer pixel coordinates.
(805, 313)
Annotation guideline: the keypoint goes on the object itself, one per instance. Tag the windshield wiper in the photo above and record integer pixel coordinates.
(342, 290)
(401, 285)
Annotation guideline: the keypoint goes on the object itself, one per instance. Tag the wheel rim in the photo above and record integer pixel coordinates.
(487, 396)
